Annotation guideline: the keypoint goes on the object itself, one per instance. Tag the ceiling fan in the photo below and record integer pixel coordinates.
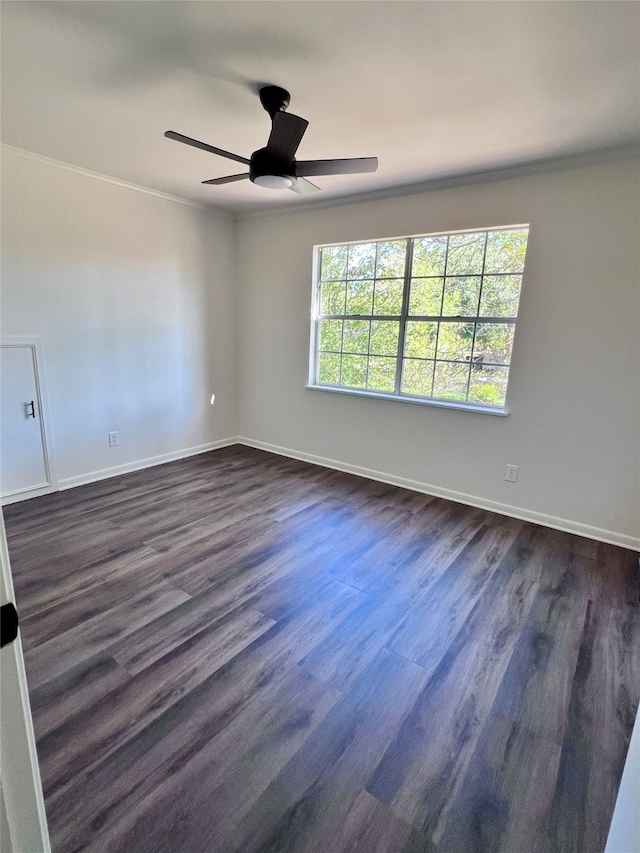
(275, 165)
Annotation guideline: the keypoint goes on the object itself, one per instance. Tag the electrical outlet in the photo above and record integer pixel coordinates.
(114, 439)
(511, 474)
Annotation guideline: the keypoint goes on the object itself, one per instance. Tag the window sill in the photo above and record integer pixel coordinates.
(440, 404)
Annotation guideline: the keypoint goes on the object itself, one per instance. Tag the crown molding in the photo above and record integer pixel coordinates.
(581, 160)
(107, 179)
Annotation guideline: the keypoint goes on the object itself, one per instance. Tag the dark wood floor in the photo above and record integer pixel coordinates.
(240, 652)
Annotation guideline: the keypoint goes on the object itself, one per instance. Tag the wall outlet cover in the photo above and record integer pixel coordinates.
(511, 474)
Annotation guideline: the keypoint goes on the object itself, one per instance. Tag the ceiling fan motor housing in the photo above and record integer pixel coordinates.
(265, 162)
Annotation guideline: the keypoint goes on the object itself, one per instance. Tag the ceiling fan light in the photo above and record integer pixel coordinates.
(274, 182)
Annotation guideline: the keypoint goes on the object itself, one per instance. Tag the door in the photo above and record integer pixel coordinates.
(24, 465)
(23, 825)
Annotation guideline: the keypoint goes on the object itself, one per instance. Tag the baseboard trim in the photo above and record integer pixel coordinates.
(567, 526)
(563, 524)
(26, 494)
(128, 467)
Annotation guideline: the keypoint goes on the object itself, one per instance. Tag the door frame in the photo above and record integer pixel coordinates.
(34, 343)
(20, 782)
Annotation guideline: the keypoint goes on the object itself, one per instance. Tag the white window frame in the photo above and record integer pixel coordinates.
(397, 394)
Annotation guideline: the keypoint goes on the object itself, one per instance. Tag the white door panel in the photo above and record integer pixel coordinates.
(23, 462)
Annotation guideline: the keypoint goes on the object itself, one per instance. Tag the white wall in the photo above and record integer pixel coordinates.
(574, 423)
(133, 298)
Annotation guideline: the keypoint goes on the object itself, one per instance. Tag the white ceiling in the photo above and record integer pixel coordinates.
(433, 89)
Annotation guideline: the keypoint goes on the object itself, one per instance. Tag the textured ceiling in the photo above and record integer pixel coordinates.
(433, 89)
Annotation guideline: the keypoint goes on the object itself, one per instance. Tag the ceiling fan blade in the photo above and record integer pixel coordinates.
(352, 166)
(304, 187)
(229, 179)
(287, 131)
(179, 137)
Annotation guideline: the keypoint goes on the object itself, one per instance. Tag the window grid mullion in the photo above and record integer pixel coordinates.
(444, 284)
(319, 293)
(475, 325)
(366, 374)
(342, 335)
(373, 297)
(408, 261)
(318, 314)
(315, 335)
(436, 318)
(375, 283)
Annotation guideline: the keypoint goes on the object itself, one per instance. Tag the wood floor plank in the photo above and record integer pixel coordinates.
(484, 814)
(589, 772)
(415, 558)
(370, 827)
(159, 524)
(617, 577)
(216, 785)
(214, 557)
(193, 719)
(37, 542)
(71, 553)
(449, 601)
(66, 650)
(154, 640)
(239, 569)
(29, 517)
(76, 690)
(340, 658)
(537, 684)
(318, 786)
(41, 592)
(240, 652)
(86, 737)
(83, 605)
(426, 537)
(424, 765)
(205, 527)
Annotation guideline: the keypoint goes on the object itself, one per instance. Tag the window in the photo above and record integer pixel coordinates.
(420, 318)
